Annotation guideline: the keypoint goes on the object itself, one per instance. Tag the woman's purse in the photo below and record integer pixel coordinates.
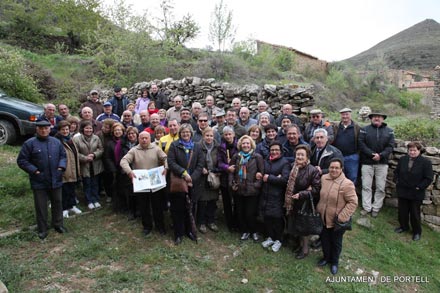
(178, 184)
(308, 221)
(213, 180)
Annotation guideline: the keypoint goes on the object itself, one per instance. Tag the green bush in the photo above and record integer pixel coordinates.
(425, 130)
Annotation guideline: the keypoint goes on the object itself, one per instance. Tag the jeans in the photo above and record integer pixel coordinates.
(379, 172)
(91, 188)
(351, 167)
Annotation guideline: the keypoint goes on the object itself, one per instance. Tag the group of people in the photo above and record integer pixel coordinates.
(264, 168)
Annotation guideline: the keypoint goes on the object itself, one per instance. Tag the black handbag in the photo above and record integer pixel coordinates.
(308, 221)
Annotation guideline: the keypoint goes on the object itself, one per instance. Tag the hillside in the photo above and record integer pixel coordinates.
(414, 48)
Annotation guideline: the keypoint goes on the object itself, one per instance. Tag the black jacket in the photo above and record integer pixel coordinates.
(177, 161)
(327, 154)
(374, 139)
(411, 184)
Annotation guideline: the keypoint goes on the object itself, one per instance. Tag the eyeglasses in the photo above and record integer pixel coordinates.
(202, 120)
(315, 116)
(94, 94)
(177, 101)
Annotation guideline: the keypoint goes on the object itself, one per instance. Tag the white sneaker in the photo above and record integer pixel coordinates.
(75, 210)
(65, 214)
(76, 200)
(276, 246)
(91, 206)
(268, 242)
(97, 205)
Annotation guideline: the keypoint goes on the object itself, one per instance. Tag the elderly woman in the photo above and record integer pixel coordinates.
(263, 121)
(413, 175)
(276, 174)
(226, 150)
(72, 173)
(90, 153)
(304, 181)
(338, 201)
(185, 160)
(207, 195)
(255, 133)
(246, 181)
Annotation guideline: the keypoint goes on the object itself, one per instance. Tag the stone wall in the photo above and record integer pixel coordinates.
(431, 203)
(194, 89)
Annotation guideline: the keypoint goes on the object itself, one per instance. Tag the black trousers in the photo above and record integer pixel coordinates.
(274, 227)
(331, 244)
(107, 182)
(247, 207)
(41, 196)
(151, 201)
(122, 190)
(179, 214)
(229, 208)
(206, 211)
(69, 195)
(409, 211)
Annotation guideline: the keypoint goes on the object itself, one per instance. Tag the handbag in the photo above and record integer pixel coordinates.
(308, 221)
(213, 180)
(178, 184)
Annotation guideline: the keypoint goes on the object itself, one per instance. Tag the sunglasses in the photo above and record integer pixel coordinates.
(202, 120)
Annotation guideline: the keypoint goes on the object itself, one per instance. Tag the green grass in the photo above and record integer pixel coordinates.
(105, 252)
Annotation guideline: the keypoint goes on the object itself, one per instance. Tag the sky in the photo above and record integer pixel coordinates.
(329, 30)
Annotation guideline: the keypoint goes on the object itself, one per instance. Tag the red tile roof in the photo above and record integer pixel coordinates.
(421, 84)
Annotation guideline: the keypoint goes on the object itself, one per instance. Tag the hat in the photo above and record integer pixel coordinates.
(377, 114)
(106, 104)
(345, 110)
(117, 89)
(284, 116)
(43, 123)
(220, 113)
(93, 92)
(316, 111)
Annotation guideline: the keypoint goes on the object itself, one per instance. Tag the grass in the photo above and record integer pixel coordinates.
(105, 252)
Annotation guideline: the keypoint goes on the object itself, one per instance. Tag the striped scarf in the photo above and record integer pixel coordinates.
(244, 159)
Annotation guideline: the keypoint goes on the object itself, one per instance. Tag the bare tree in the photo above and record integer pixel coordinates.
(221, 28)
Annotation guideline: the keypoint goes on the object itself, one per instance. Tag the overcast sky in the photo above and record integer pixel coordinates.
(330, 30)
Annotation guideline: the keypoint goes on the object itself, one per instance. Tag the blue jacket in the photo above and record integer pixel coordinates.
(114, 102)
(46, 156)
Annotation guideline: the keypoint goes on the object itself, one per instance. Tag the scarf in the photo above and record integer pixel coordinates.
(288, 201)
(187, 145)
(244, 159)
(66, 138)
(209, 148)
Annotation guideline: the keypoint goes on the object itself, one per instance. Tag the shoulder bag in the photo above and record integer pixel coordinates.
(178, 184)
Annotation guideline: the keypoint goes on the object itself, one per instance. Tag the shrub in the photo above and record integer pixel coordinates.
(425, 130)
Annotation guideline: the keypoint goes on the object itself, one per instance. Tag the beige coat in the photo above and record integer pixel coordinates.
(139, 158)
(73, 166)
(84, 147)
(341, 191)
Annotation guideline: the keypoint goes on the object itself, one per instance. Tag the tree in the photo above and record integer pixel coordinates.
(221, 28)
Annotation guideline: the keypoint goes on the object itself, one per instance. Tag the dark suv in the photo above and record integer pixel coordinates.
(17, 117)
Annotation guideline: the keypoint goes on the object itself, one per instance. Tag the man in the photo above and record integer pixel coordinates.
(202, 124)
(287, 110)
(263, 107)
(285, 124)
(174, 112)
(346, 140)
(154, 121)
(145, 120)
(245, 119)
(87, 114)
(293, 140)
(108, 113)
(158, 97)
(147, 155)
(376, 142)
(323, 152)
(64, 111)
(127, 119)
(119, 101)
(185, 117)
(236, 105)
(220, 120)
(43, 157)
(231, 120)
(316, 121)
(196, 109)
(210, 108)
(49, 116)
(93, 103)
(173, 135)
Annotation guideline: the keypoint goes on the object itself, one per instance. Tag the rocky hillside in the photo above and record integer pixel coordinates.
(417, 47)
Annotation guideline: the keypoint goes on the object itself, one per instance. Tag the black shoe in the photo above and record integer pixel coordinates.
(301, 255)
(399, 230)
(416, 237)
(322, 262)
(192, 236)
(334, 269)
(42, 235)
(146, 232)
(178, 240)
(60, 229)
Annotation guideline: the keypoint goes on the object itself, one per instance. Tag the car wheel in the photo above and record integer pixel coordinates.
(7, 132)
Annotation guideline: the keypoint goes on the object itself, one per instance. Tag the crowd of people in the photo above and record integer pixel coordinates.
(264, 168)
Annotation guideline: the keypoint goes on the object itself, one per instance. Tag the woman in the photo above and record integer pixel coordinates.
(226, 150)
(142, 102)
(90, 152)
(304, 181)
(271, 134)
(255, 133)
(72, 172)
(111, 159)
(207, 196)
(185, 160)
(159, 131)
(338, 200)
(276, 174)
(246, 181)
(263, 121)
(152, 108)
(412, 175)
(163, 117)
(129, 141)
(74, 125)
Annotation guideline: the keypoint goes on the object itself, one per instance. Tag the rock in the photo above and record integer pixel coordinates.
(391, 202)
(434, 160)
(3, 288)
(432, 219)
(196, 81)
(270, 88)
(432, 151)
(359, 272)
(244, 281)
(364, 222)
